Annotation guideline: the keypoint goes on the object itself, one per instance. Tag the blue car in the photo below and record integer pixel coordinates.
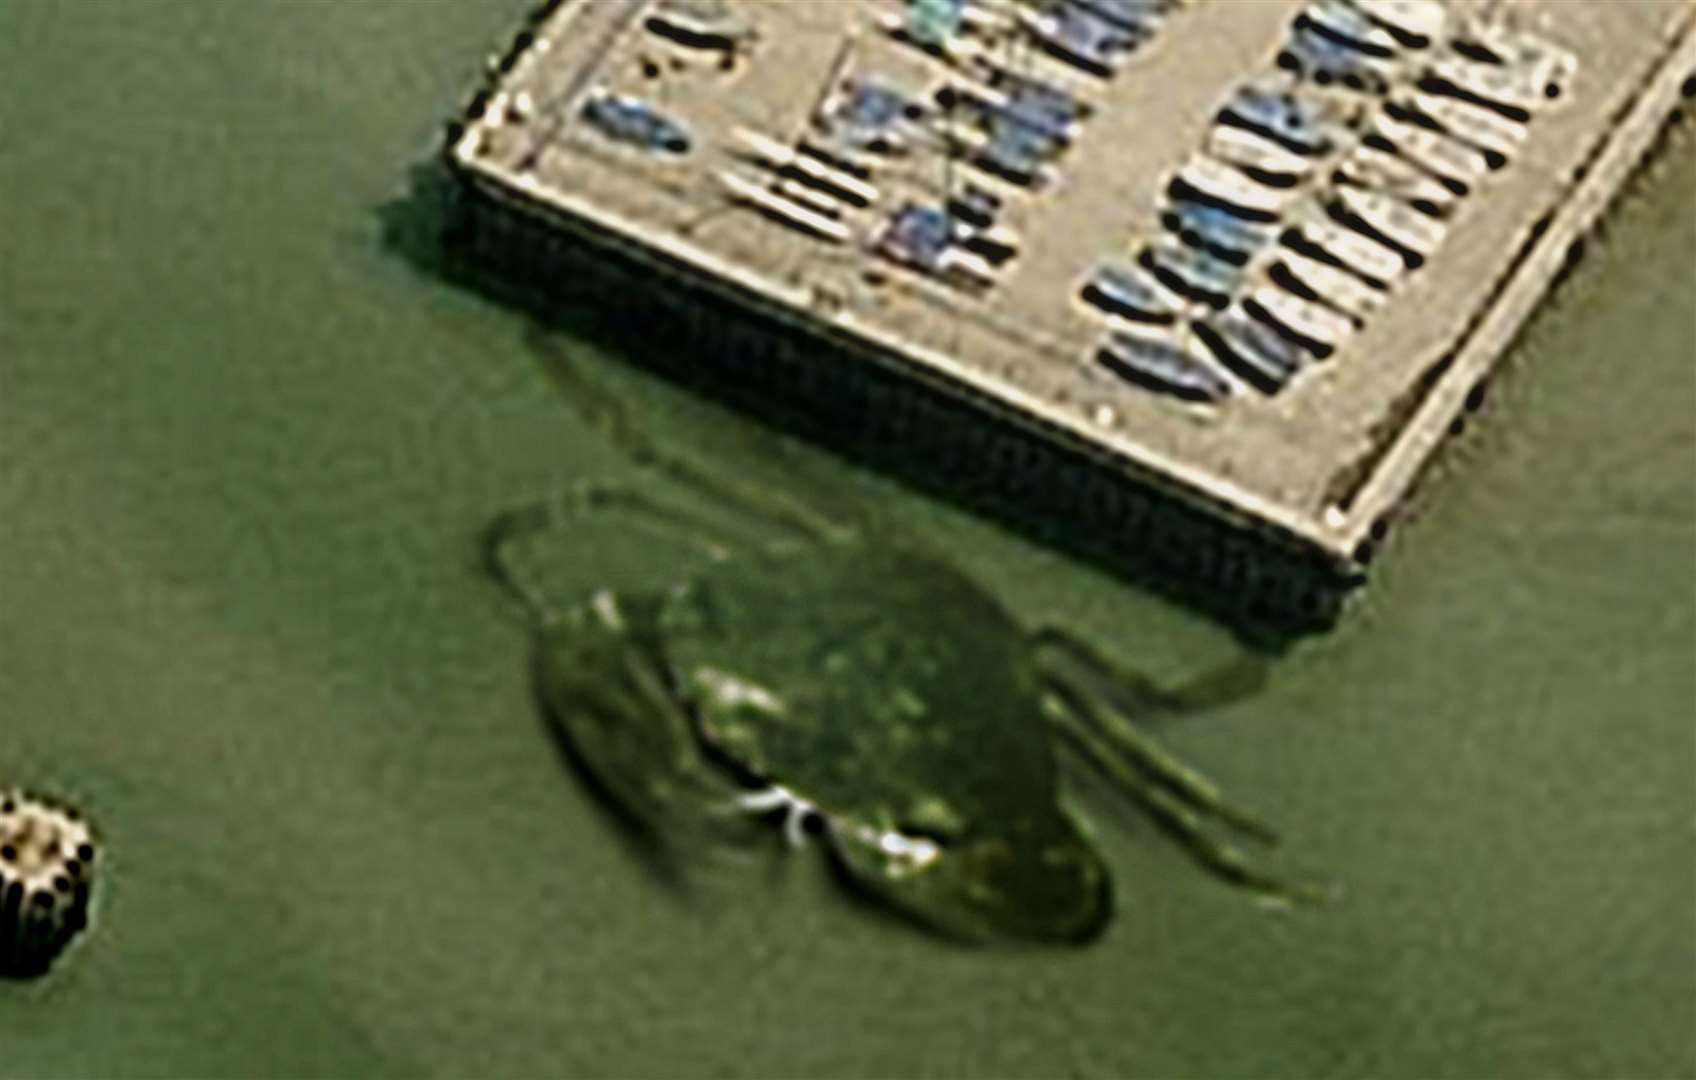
(631, 120)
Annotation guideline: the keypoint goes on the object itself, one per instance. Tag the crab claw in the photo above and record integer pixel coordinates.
(1038, 882)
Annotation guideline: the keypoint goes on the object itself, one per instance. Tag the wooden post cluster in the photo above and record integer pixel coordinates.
(47, 866)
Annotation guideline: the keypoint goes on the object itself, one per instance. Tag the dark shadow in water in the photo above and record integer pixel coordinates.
(14, 974)
(1267, 595)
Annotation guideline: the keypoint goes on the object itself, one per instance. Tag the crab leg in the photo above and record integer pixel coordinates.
(1112, 738)
(581, 502)
(1182, 822)
(602, 411)
(1232, 682)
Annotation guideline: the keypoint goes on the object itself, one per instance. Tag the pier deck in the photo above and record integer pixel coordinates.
(1324, 461)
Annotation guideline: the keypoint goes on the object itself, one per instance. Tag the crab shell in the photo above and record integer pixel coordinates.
(881, 687)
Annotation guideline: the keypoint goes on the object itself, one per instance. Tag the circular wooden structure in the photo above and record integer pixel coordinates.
(47, 864)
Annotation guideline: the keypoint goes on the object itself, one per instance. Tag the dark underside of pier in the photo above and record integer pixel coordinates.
(1267, 586)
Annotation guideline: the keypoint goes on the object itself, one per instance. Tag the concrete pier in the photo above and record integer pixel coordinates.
(1314, 472)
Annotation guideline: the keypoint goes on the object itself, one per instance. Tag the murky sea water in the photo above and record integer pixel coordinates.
(243, 451)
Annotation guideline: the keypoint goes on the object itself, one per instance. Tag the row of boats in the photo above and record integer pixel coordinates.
(1013, 125)
(1305, 205)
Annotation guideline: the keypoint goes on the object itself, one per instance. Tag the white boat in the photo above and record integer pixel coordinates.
(779, 156)
(1351, 23)
(1507, 66)
(1483, 128)
(808, 197)
(1365, 257)
(1244, 148)
(1439, 154)
(707, 24)
(1335, 288)
(1373, 168)
(1417, 22)
(1395, 220)
(1319, 329)
(1228, 184)
(784, 209)
(1171, 362)
(963, 265)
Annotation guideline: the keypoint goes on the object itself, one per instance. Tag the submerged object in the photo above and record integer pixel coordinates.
(864, 691)
(47, 858)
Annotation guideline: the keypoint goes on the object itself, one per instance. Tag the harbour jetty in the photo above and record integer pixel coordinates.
(1232, 270)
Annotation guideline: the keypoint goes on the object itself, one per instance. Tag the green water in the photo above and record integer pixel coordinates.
(243, 449)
